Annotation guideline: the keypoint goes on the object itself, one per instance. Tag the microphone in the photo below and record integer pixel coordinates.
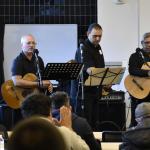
(81, 42)
(35, 51)
(139, 50)
(81, 47)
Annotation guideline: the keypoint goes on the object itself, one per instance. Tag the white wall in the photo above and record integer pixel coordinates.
(120, 30)
(144, 11)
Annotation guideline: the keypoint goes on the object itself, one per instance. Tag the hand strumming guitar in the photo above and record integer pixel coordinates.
(47, 84)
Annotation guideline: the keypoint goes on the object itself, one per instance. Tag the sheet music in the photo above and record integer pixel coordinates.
(105, 76)
(95, 77)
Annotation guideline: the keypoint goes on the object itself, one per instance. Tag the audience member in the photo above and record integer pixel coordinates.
(40, 104)
(138, 137)
(79, 124)
(65, 85)
(36, 133)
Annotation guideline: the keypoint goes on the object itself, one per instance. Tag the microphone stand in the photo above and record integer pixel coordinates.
(38, 70)
(82, 78)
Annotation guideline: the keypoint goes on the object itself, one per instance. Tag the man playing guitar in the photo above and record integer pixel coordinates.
(26, 63)
(136, 61)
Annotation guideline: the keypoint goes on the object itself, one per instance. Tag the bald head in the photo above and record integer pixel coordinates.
(24, 37)
(28, 43)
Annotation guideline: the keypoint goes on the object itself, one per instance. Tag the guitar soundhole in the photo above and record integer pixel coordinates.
(26, 92)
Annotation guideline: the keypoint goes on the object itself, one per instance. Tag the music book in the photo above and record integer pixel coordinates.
(105, 76)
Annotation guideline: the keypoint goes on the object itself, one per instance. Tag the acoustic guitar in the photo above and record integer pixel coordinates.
(13, 95)
(138, 87)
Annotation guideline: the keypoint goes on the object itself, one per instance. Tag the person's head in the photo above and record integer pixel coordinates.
(72, 61)
(94, 33)
(142, 111)
(59, 99)
(146, 42)
(36, 105)
(28, 43)
(36, 133)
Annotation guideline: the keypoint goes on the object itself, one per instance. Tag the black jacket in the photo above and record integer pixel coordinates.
(138, 139)
(92, 56)
(136, 62)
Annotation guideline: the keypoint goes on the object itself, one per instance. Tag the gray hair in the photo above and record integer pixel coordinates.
(146, 35)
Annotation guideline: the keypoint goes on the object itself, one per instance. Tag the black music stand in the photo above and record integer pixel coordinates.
(62, 71)
(105, 76)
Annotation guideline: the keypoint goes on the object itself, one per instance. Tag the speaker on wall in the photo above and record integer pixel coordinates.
(111, 116)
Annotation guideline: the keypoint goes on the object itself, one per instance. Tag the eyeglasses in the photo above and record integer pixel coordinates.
(147, 42)
(28, 43)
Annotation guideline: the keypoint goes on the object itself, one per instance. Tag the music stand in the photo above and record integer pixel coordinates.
(62, 71)
(105, 76)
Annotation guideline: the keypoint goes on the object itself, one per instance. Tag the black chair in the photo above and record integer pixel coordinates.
(6, 116)
(107, 126)
(3, 132)
(112, 136)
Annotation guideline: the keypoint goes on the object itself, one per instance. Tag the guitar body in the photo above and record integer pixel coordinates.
(138, 87)
(13, 95)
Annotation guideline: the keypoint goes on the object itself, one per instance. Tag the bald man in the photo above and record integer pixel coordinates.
(26, 62)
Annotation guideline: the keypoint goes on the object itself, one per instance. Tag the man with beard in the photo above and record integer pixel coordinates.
(91, 55)
(136, 61)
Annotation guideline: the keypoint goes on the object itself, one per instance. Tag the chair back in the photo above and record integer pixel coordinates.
(3, 132)
(112, 136)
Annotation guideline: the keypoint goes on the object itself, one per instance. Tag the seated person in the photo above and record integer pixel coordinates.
(65, 85)
(79, 124)
(40, 105)
(138, 137)
(36, 133)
